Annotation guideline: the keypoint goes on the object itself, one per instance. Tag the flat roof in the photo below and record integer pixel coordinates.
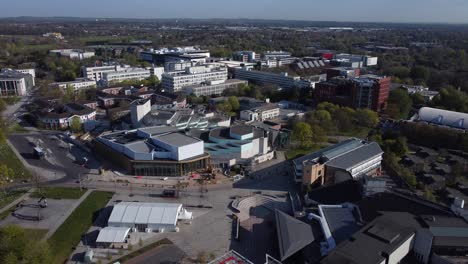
(145, 213)
(113, 235)
(241, 130)
(177, 139)
(356, 156)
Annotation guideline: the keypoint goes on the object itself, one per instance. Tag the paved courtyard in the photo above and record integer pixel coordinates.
(26, 216)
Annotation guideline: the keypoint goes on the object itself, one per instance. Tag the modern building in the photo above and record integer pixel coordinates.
(96, 73)
(193, 76)
(214, 88)
(73, 53)
(165, 55)
(14, 83)
(261, 113)
(238, 144)
(164, 100)
(365, 91)
(78, 84)
(281, 80)
(174, 66)
(275, 55)
(349, 159)
(154, 151)
(442, 117)
(148, 217)
(137, 74)
(345, 72)
(354, 61)
(31, 72)
(246, 56)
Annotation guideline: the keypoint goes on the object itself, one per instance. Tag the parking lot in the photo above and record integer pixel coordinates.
(60, 157)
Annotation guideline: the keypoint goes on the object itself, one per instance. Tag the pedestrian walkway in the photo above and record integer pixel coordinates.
(66, 215)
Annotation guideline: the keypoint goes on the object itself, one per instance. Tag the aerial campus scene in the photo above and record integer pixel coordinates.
(234, 132)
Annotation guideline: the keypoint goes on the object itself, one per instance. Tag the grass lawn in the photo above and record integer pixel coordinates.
(142, 250)
(8, 157)
(68, 235)
(6, 213)
(58, 193)
(294, 153)
(359, 132)
(16, 128)
(9, 197)
(35, 234)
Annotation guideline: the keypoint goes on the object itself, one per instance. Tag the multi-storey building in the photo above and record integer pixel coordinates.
(281, 80)
(213, 87)
(366, 91)
(162, 56)
(126, 74)
(261, 113)
(14, 83)
(78, 84)
(246, 56)
(96, 73)
(73, 53)
(275, 55)
(193, 76)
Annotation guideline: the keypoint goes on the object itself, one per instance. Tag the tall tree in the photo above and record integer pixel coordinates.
(302, 132)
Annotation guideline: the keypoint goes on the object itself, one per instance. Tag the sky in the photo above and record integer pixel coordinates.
(427, 11)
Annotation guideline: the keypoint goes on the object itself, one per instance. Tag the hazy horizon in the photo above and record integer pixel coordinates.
(394, 11)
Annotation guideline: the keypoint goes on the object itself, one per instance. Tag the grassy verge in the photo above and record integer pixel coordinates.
(8, 157)
(7, 212)
(35, 234)
(294, 153)
(9, 197)
(142, 250)
(58, 193)
(16, 128)
(68, 235)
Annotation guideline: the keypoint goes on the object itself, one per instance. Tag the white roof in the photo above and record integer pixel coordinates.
(444, 117)
(113, 235)
(145, 213)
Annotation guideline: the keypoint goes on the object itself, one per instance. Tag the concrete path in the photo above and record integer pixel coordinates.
(66, 215)
(19, 199)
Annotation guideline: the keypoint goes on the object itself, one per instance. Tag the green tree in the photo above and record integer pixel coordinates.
(399, 104)
(302, 132)
(420, 73)
(366, 118)
(417, 99)
(69, 95)
(75, 124)
(428, 195)
(234, 102)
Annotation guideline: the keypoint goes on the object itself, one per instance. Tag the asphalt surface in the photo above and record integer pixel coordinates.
(60, 156)
(166, 254)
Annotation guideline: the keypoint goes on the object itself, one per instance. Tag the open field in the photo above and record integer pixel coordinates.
(69, 233)
(58, 193)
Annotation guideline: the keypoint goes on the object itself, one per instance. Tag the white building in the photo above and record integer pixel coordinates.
(78, 84)
(96, 73)
(138, 110)
(213, 87)
(443, 117)
(73, 53)
(157, 71)
(14, 83)
(31, 72)
(148, 217)
(275, 55)
(261, 113)
(193, 76)
(136, 74)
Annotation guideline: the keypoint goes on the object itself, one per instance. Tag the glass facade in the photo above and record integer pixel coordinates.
(169, 169)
